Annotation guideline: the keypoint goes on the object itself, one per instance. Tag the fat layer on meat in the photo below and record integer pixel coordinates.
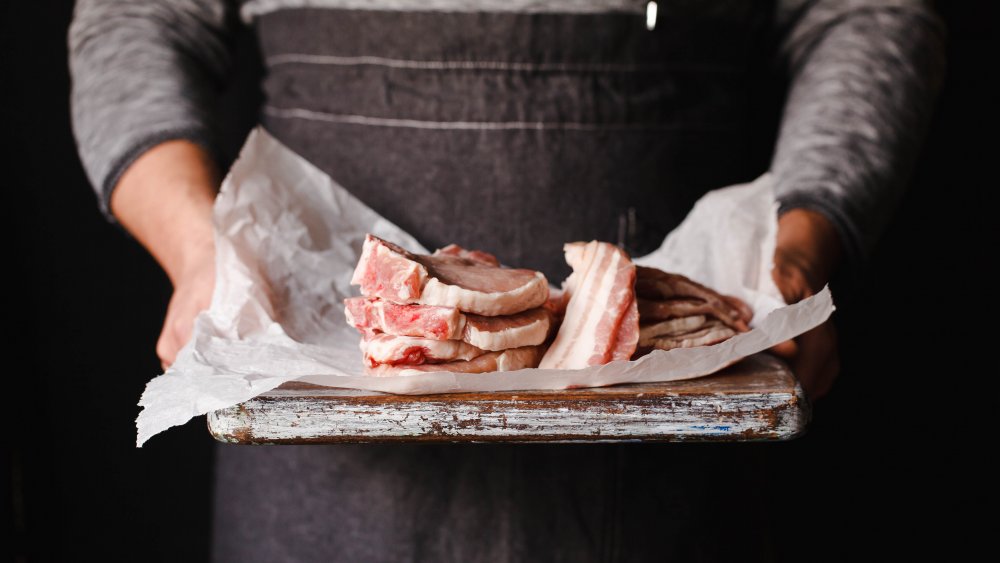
(529, 328)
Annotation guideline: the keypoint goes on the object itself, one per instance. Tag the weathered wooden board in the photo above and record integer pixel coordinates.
(756, 399)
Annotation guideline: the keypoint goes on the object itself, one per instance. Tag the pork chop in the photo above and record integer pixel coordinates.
(411, 350)
(426, 321)
(446, 279)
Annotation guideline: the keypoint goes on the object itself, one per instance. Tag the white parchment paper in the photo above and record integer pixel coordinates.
(288, 238)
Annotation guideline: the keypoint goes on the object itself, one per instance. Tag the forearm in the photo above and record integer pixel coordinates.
(865, 76)
(164, 199)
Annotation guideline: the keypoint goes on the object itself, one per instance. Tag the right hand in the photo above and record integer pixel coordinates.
(192, 294)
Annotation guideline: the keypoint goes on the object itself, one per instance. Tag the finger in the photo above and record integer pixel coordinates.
(166, 349)
(746, 313)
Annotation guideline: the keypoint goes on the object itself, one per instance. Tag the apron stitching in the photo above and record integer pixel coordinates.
(354, 119)
(367, 60)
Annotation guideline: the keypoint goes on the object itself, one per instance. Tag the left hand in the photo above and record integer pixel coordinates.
(807, 251)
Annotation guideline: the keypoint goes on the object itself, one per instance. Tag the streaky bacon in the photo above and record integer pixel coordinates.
(601, 293)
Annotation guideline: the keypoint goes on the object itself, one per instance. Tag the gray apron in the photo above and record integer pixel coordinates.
(513, 133)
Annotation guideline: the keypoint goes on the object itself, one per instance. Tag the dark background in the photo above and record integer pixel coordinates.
(883, 469)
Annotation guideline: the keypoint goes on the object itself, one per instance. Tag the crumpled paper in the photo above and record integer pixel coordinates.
(288, 238)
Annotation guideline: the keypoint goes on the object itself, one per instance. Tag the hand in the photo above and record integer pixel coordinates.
(192, 295)
(806, 254)
(165, 200)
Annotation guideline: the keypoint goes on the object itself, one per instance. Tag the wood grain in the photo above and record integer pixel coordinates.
(756, 399)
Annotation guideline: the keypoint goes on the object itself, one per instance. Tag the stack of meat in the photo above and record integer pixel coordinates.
(676, 312)
(455, 310)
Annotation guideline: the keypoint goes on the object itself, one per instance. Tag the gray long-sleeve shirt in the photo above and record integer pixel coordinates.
(864, 77)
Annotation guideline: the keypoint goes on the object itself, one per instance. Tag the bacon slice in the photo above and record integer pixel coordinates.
(601, 296)
(447, 279)
(391, 349)
(508, 360)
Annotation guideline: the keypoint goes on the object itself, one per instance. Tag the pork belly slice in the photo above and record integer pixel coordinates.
(712, 332)
(673, 327)
(411, 350)
(507, 360)
(529, 328)
(601, 297)
(446, 279)
(426, 321)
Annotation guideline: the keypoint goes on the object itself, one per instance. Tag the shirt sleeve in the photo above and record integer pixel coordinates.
(864, 78)
(143, 73)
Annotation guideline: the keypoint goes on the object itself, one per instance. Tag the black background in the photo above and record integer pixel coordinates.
(884, 468)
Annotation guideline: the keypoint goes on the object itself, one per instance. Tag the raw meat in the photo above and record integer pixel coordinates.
(474, 255)
(627, 338)
(446, 279)
(601, 297)
(713, 332)
(391, 349)
(510, 331)
(375, 315)
(673, 327)
(372, 316)
(681, 307)
(658, 285)
(508, 360)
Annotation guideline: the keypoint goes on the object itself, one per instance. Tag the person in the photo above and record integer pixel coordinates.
(511, 126)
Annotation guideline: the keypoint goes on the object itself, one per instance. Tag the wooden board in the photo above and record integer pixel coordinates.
(756, 399)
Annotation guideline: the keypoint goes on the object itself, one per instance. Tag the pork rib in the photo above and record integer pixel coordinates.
(601, 296)
(446, 279)
(410, 350)
(508, 360)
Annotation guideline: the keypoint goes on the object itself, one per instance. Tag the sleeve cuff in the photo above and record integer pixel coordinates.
(854, 255)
